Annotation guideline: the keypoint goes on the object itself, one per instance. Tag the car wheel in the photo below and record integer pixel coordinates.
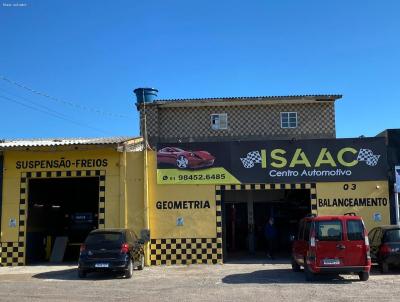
(182, 162)
(310, 276)
(141, 265)
(384, 267)
(129, 270)
(364, 276)
(81, 273)
(295, 266)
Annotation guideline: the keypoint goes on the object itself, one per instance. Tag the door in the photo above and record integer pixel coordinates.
(330, 245)
(296, 249)
(356, 253)
(300, 245)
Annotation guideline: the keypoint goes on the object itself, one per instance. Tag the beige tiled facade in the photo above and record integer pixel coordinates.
(186, 122)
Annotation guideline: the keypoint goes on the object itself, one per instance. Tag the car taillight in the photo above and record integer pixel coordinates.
(124, 248)
(385, 249)
(82, 248)
(366, 241)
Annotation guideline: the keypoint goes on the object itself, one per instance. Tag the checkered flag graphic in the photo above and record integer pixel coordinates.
(368, 156)
(252, 158)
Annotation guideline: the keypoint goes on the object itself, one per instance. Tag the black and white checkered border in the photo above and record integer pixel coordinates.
(285, 186)
(13, 253)
(172, 251)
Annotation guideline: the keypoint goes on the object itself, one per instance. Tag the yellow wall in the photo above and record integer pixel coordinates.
(191, 233)
(134, 188)
(329, 193)
(12, 176)
(197, 222)
(125, 198)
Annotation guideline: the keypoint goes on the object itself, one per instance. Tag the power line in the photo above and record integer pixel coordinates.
(57, 115)
(52, 114)
(61, 101)
(35, 103)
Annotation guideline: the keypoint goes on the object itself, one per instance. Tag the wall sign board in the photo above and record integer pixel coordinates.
(273, 161)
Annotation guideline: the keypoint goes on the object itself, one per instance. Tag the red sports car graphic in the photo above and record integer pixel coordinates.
(185, 159)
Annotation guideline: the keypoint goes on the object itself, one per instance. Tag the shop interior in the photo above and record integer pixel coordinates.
(63, 208)
(246, 213)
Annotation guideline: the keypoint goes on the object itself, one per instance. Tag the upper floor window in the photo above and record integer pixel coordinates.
(288, 119)
(219, 121)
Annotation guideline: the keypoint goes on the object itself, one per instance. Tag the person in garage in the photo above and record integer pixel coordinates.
(270, 234)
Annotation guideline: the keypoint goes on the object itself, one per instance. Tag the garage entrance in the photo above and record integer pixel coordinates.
(60, 207)
(246, 212)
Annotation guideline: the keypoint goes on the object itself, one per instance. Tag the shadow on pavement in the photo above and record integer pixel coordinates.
(72, 274)
(257, 260)
(392, 271)
(282, 276)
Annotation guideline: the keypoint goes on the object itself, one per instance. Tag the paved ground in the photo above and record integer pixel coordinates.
(272, 281)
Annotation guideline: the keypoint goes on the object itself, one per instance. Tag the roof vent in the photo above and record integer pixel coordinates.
(145, 95)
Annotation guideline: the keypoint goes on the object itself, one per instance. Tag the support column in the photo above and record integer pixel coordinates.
(146, 212)
(123, 202)
(250, 222)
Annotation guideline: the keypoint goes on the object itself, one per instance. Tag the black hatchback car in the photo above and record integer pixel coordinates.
(115, 250)
(385, 246)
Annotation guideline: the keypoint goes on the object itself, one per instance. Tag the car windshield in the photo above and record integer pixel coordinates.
(104, 240)
(329, 230)
(392, 235)
(355, 230)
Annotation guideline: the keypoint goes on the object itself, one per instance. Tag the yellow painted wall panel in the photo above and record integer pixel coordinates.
(10, 211)
(135, 187)
(191, 205)
(10, 208)
(369, 199)
(197, 222)
(11, 191)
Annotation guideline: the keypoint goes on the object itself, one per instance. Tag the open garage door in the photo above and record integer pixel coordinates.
(246, 212)
(62, 207)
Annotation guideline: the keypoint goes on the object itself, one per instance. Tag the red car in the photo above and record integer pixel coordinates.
(332, 244)
(185, 159)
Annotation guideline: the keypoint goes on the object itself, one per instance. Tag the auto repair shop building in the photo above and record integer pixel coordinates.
(242, 161)
(227, 164)
(66, 188)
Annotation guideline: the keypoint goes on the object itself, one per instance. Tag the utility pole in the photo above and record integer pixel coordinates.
(146, 180)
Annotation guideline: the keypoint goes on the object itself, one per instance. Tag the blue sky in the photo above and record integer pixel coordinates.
(94, 53)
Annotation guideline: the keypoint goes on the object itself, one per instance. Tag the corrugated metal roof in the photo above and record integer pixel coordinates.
(48, 142)
(287, 97)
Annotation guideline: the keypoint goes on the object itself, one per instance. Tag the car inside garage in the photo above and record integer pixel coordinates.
(63, 209)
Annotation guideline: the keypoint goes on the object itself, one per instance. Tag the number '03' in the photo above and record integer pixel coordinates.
(349, 186)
